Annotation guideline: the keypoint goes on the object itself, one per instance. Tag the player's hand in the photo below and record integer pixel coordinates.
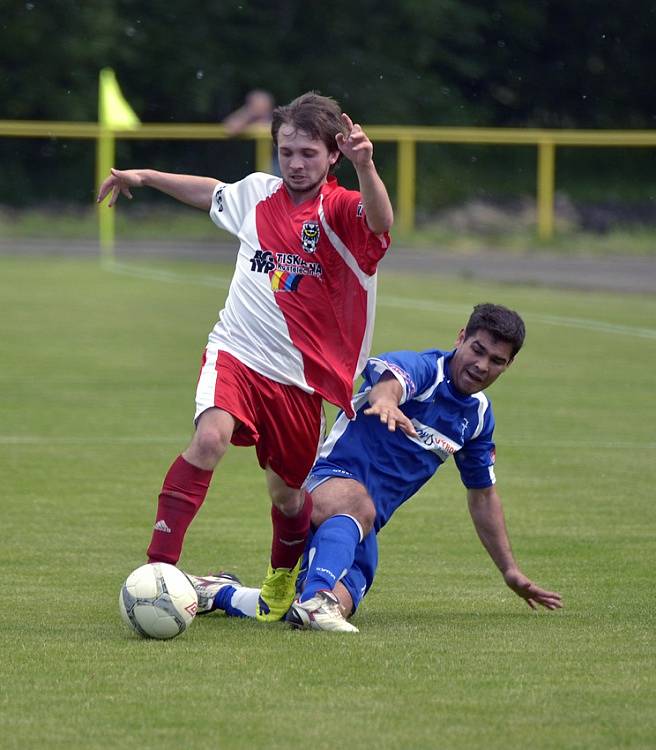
(530, 592)
(120, 181)
(390, 414)
(356, 146)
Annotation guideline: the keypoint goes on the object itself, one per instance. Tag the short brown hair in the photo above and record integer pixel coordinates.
(318, 116)
(500, 322)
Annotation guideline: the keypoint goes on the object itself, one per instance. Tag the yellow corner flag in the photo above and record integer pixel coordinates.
(114, 113)
(113, 109)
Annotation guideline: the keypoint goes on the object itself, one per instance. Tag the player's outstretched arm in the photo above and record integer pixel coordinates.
(190, 189)
(384, 400)
(358, 149)
(487, 514)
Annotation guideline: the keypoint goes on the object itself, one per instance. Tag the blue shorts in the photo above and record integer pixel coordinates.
(361, 575)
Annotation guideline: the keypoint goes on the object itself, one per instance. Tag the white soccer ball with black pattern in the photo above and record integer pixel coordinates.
(158, 601)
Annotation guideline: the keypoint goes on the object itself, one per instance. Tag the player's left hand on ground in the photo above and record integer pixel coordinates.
(530, 592)
(392, 416)
(356, 146)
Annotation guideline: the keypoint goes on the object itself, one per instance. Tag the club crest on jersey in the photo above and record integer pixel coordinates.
(310, 236)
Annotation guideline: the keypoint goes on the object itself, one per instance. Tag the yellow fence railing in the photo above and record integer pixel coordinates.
(405, 137)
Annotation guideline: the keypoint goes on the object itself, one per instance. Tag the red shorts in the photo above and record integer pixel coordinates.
(284, 423)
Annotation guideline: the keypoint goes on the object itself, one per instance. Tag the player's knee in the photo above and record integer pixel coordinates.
(354, 502)
(289, 501)
(209, 445)
(365, 512)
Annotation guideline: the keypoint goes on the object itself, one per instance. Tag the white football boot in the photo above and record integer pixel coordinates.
(207, 587)
(322, 612)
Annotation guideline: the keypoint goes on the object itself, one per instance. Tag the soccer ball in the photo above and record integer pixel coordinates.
(158, 601)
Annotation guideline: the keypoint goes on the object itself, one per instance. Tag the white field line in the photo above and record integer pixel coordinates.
(171, 277)
(63, 440)
(404, 303)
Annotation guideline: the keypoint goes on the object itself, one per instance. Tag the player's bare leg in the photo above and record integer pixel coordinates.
(186, 483)
(211, 439)
(343, 497)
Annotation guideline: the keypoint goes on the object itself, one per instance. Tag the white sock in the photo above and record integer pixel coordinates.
(244, 600)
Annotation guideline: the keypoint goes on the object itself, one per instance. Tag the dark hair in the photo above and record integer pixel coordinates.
(500, 322)
(318, 116)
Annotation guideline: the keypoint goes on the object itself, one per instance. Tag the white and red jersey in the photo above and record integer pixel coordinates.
(300, 309)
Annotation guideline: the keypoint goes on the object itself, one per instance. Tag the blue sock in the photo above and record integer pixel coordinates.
(331, 553)
(222, 601)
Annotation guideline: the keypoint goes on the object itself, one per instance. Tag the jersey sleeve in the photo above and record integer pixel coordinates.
(414, 371)
(232, 201)
(476, 459)
(346, 214)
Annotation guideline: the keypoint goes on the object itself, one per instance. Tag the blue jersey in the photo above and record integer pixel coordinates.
(392, 465)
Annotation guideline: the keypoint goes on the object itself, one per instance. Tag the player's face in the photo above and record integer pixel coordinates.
(304, 162)
(478, 361)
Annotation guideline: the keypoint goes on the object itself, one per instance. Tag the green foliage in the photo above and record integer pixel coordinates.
(98, 372)
(543, 64)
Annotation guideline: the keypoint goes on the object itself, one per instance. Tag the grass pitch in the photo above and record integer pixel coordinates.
(98, 370)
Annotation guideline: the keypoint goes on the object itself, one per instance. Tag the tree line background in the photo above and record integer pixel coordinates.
(545, 63)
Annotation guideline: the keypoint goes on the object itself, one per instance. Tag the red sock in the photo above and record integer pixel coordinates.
(183, 492)
(290, 535)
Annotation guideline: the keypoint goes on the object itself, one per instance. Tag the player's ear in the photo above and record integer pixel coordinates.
(461, 337)
(333, 156)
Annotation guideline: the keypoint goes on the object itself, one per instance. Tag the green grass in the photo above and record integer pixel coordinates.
(98, 374)
(521, 239)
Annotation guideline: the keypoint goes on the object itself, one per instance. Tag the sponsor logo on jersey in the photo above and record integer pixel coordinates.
(281, 281)
(263, 262)
(285, 270)
(310, 236)
(432, 440)
(292, 263)
(218, 197)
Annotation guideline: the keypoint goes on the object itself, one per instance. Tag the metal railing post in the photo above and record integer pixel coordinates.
(546, 183)
(263, 153)
(404, 137)
(406, 175)
(105, 148)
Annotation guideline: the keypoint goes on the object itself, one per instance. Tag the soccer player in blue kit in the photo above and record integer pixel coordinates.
(413, 411)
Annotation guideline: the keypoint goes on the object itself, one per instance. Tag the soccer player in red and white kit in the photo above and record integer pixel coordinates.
(296, 327)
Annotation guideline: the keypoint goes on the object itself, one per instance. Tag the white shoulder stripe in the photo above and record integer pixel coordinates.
(368, 283)
(346, 255)
(438, 379)
(483, 403)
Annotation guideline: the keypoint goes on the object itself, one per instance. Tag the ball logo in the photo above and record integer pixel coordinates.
(310, 236)
(192, 609)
